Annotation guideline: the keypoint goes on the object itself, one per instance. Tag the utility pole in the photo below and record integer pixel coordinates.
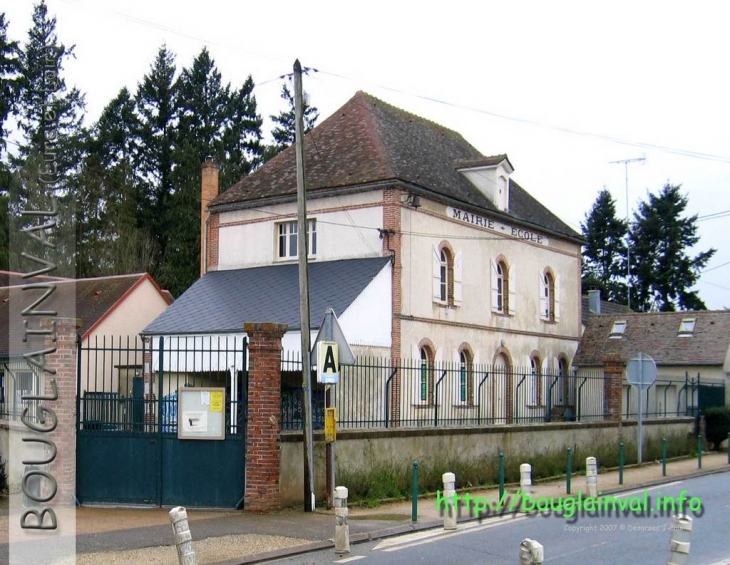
(628, 239)
(302, 251)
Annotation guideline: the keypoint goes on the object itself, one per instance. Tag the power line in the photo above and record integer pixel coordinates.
(716, 267)
(663, 148)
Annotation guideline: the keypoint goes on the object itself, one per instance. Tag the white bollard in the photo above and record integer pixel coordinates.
(591, 477)
(342, 530)
(679, 542)
(526, 478)
(531, 552)
(183, 537)
(449, 480)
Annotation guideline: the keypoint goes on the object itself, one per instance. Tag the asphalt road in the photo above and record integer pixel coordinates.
(641, 536)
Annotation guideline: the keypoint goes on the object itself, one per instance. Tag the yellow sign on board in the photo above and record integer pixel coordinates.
(216, 401)
(330, 424)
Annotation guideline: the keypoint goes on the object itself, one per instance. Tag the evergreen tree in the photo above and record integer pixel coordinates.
(604, 254)
(50, 120)
(213, 122)
(663, 272)
(9, 69)
(112, 242)
(155, 101)
(284, 133)
(242, 148)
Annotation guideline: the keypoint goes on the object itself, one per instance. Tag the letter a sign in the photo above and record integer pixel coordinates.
(328, 367)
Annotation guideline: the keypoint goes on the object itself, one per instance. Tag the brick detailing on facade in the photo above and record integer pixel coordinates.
(64, 361)
(392, 246)
(613, 372)
(150, 415)
(213, 238)
(209, 190)
(264, 413)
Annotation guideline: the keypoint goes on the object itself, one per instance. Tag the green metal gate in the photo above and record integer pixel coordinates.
(127, 447)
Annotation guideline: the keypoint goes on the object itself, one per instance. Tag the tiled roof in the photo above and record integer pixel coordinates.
(656, 335)
(87, 299)
(368, 141)
(221, 301)
(606, 308)
(11, 278)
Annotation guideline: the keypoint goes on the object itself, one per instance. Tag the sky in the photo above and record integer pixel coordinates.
(565, 89)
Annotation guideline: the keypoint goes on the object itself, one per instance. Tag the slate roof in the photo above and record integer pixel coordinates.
(368, 142)
(88, 299)
(656, 335)
(606, 308)
(222, 301)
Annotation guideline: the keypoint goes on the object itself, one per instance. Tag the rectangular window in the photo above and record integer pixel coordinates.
(617, 330)
(687, 327)
(288, 240)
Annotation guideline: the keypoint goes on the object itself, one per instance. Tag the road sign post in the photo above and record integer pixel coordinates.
(641, 374)
(330, 350)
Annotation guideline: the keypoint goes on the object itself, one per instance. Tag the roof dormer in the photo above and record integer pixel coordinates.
(491, 176)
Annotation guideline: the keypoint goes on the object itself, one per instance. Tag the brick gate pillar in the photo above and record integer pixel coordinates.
(613, 378)
(264, 415)
(64, 361)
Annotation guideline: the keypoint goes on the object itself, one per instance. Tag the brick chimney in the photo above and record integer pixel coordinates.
(209, 184)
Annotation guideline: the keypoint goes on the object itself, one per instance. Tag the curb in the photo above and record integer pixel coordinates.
(409, 528)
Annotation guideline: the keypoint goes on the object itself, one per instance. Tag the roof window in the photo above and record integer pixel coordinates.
(686, 327)
(617, 330)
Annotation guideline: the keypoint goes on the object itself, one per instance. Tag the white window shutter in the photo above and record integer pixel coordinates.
(557, 298)
(544, 305)
(494, 286)
(458, 268)
(436, 274)
(512, 290)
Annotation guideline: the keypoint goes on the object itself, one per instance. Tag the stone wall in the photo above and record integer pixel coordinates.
(414, 444)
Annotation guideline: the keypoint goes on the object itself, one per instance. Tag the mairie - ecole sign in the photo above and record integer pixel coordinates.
(499, 227)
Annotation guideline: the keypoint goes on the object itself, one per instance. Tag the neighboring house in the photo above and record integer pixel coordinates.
(115, 307)
(691, 351)
(592, 303)
(425, 248)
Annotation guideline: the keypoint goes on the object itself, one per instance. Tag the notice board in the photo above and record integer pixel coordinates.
(201, 413)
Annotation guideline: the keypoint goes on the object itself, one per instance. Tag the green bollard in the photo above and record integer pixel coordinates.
(620, 462)
(664, 457)
(414, 494)
(568, 470)
(501, 475)
(699, 451)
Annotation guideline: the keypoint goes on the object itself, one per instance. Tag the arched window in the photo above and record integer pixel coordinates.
(446, 269)
(501, 291)
(424, 385)
(549, 303)
(501, 283)
(535, 378)
(465, 373)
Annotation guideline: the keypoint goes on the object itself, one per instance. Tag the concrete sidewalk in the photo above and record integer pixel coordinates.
(114, 535)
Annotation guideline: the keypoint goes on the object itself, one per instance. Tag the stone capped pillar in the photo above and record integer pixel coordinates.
(264, 415)
(613, 378)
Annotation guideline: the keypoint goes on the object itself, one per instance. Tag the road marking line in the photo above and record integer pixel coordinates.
(582, 549)
(348, 559)
(433, 532)
(723, 562)
(465, 529)
(643, 490)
